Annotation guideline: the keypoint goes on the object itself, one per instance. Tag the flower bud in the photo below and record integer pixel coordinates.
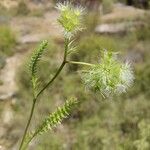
(70, 17)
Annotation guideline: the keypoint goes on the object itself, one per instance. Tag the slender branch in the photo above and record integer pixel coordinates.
(26, 144)
(33, 105)
(66, 48)
(59, 70)
(79, 63)
(50, 82)
(28, 123)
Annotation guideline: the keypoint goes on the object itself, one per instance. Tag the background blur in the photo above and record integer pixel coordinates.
(118, 123)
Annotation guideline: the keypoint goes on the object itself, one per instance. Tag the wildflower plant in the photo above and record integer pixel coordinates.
(107, 77)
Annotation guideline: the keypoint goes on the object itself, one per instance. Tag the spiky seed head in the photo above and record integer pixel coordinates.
(110, 76)
(70, 18)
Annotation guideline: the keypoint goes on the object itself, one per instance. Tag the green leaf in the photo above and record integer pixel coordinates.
(53, 119)
(36, 56)
(56, 117)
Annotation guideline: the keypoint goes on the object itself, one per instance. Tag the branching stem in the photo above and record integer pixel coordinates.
(27, 126)
(51, 81)
(47, 85)
(34, 102)
(42, 90)
(79, 63)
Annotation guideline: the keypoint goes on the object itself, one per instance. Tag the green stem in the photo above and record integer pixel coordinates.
(33, 105)
(47, 85)
(28, 123)
(50, 82)
(66, 48)
(79, 63)
(59, 70)
(31, 138)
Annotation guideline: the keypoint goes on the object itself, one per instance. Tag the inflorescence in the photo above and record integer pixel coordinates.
(70, 18)
(110, 76)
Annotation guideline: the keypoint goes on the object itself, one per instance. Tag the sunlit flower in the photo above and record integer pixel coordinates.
(70, 17)
(110, 76)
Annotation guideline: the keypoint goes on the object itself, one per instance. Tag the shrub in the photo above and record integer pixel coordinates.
(91, 20)
(107, 6)
(7, 40)
(143, 31)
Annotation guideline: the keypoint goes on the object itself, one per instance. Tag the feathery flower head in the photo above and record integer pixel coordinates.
(70, 17)
(110, 76)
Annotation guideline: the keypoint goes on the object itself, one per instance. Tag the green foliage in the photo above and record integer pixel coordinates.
(42, 73)
(142, 79)
(7, 41)
(91, 20)
(36, 56)
(143, 143)
(56, 117)
(107, 6)
(53, 120)
(143, 31)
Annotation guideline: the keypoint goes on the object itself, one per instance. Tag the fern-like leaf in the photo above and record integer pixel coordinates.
(53, 120)
(56, 117)
(36, 56)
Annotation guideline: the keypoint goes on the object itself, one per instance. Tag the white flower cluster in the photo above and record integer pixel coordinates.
(110, 76)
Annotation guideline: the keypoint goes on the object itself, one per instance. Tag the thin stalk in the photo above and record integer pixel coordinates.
(50, 82)
(28, 123)
(59, 70)
(26, 144)
(79, 63)
(34, 102)
(66, 48)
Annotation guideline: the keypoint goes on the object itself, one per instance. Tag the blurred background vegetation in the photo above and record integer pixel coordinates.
(117, 123)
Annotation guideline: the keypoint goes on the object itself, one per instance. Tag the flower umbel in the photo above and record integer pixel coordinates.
(70, 17)
(110, 76)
